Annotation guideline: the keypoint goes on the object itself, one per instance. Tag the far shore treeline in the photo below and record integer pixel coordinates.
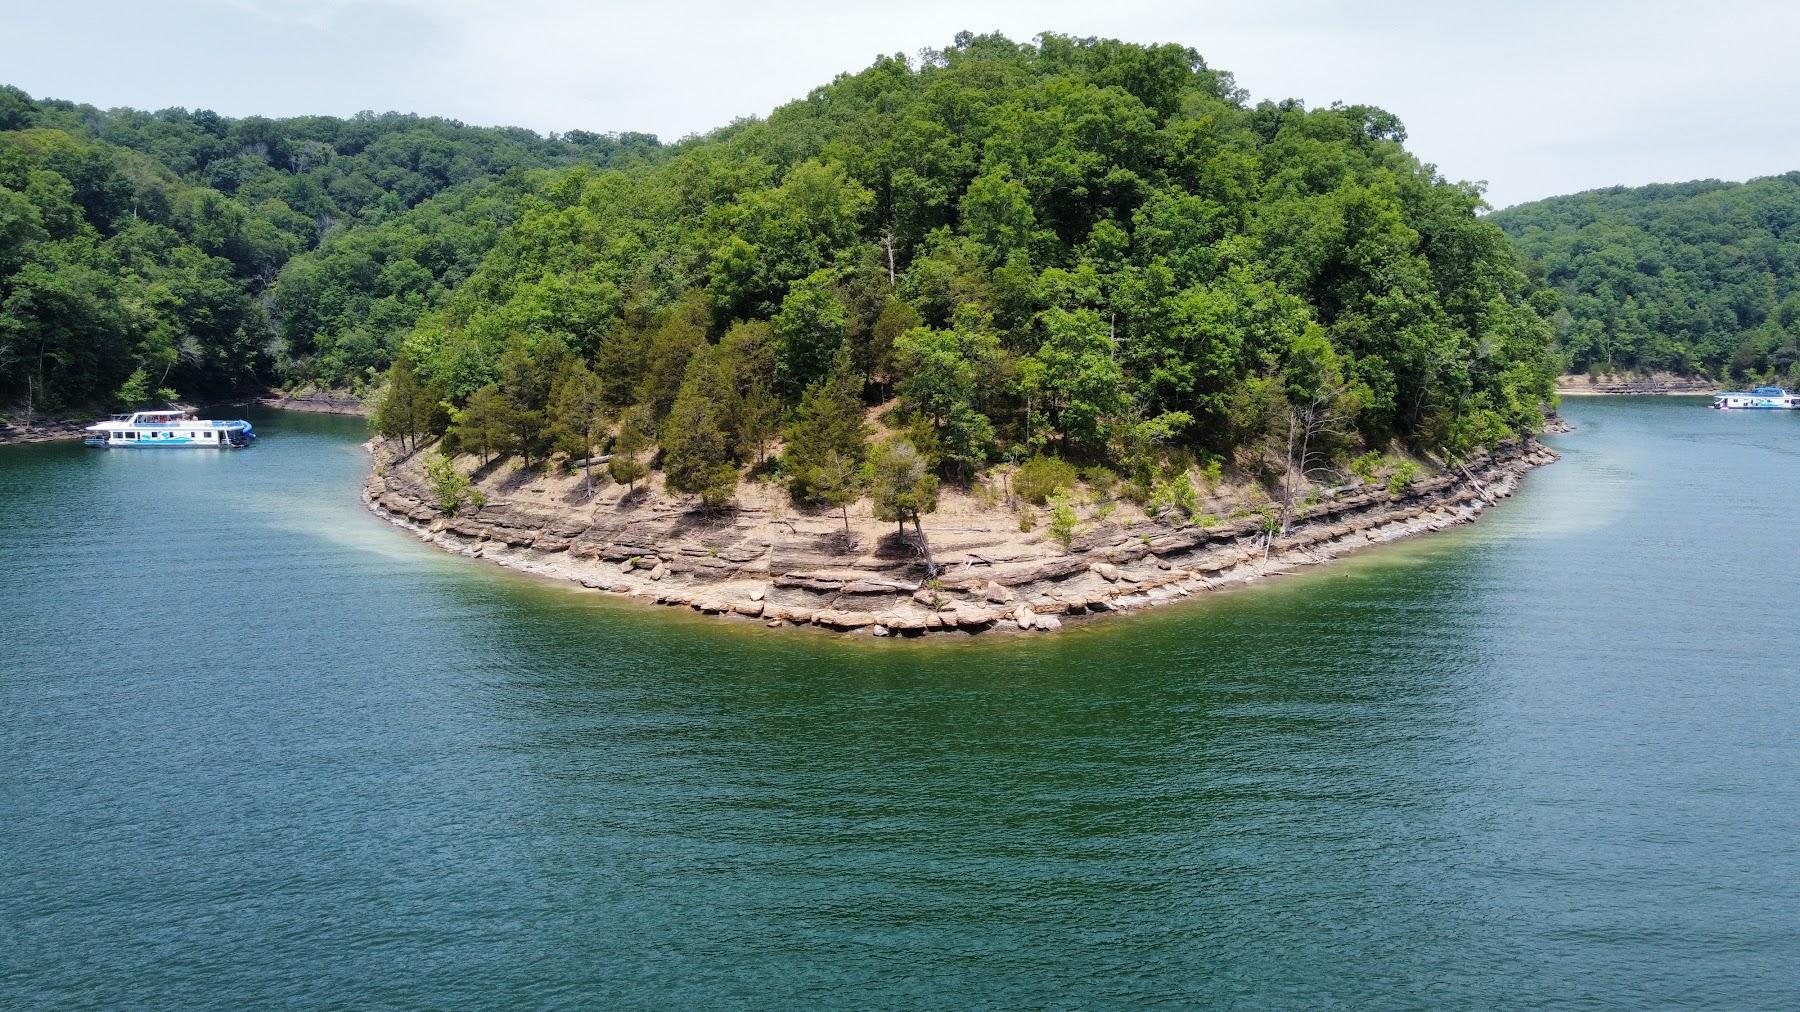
(144, 255)
(1074, 249)
(1697, 278)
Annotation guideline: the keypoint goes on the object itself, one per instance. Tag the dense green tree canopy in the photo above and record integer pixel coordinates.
(215, 254)
(1073, 246)
(1699, 277)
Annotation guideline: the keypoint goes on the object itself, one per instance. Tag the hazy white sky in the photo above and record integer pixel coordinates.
(1534, 97)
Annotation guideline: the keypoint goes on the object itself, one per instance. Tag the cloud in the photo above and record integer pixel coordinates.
(1535, 96)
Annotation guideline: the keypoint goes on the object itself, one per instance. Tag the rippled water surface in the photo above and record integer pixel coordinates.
(258, 748)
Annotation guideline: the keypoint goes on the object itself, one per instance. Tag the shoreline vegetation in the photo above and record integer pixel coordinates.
(792, 568)
(1076, 306)
(1687, 279)
(1078, 301)
(319, 402)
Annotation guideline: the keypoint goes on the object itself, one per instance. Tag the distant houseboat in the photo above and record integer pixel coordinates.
(1761, 397)
(159, 429)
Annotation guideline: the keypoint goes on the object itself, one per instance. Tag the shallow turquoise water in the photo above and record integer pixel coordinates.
(262, 749)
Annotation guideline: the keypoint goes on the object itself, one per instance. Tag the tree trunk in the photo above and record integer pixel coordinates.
(1287, 479)
(924, 546)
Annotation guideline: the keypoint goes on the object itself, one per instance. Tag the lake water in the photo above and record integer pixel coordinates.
(258, 748)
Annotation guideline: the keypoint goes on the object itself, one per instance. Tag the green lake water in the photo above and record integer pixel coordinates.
(258, 748)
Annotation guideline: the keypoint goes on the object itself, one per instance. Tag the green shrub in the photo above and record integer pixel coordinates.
(450, 486)
(1040, 477)
(1179, 460)
(1366, 466)
(1212, 472)
(1271, 522)
(1101, 481)
(1176, 495)
(1404, 473)
(1027, 518)
(1063, 520)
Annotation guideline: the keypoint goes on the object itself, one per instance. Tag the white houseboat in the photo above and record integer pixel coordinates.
(1761, 397)
(157, 429)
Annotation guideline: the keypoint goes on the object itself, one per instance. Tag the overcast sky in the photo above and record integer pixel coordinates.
(1534, 97)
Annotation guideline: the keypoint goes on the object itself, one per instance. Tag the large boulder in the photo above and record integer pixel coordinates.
(972, 616)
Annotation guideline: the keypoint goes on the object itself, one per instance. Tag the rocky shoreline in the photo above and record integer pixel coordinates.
(1648, 384)
(320, 403)
(47, 432)
(756, 565)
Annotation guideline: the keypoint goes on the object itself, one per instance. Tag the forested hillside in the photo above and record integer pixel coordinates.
(1075, 248)
(138, 250)
(1699, 277)
(1080, 251)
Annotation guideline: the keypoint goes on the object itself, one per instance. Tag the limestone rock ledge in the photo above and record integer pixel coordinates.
(752, 565)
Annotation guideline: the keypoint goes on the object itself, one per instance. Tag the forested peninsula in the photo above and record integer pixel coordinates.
(1696, 279)
(1077, 301)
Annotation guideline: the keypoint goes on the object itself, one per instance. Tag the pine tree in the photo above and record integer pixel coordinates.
(839, 481)
(902, 485)
(626, 465)
(482, 423)
(407, 406)
(528, 372)
(697, 447)
(136, 390)
(829, 420)
(578, 415)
